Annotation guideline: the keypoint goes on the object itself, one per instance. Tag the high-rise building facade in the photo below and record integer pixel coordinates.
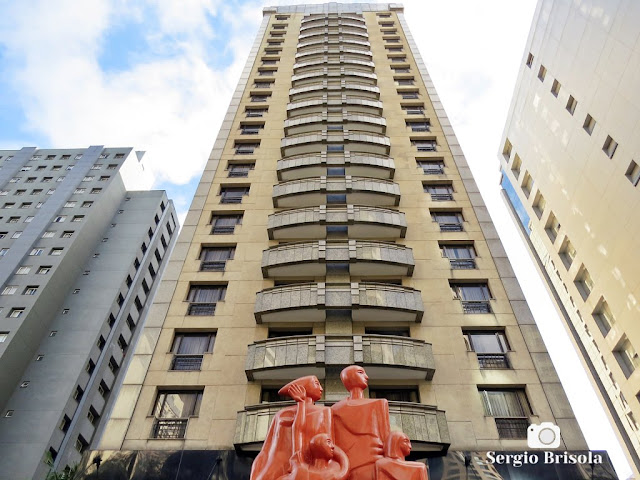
(337, 222)
(569, 158)
(80, 258)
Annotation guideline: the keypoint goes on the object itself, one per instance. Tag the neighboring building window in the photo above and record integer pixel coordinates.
(529, 60)
(9, 290)
(77, 218)
(475, 297)
(23, 270)
(633, 173)
(589, 124)
(60, 219)
(251, 129)
(245, 148)
(30, 290)
(419, 126)
(567, 253)
(172, 411)
(44, 270)
(56, 252)
(203, 298)
(36, 252)
(3, 251)
(603, 317)
(584, 282)
(461, 256)
(542, 73)
(255, 112)
(189, 348)
(395, 394)
(214, 259)
(268, 395)
(16, 312)
(610, 146)
(491, 348)
(553, 227)
(571, 105)
(448, 221)
(555, 88)
(413, 109)
(81, 444)
(511, 411)
(3, 336)
(626, 356)
(233, 194)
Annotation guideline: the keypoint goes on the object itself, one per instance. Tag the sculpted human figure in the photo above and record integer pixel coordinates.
(273, 460)
(394, 466)
(360, 425)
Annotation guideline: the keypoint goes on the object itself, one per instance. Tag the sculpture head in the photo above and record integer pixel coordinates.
(397, 445)
(321, 446)
(354, 376)
(311, 385)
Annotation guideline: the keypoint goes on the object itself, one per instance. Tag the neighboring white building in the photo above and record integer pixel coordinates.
(570, 157)
(80, 260)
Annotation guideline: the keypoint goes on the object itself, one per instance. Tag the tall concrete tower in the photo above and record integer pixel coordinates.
(337, 222)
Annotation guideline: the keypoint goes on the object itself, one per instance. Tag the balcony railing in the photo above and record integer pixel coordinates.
(490, 361)
(476, 306)
(367, 301)
(212, 266)
(393, 357)
(512, 428)
(462, 263)
(440, 197)
(186, 362)
(451, 227)
(202, 309)
(169, 428)
(425, 425)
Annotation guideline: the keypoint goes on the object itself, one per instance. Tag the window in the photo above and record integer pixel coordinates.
(70, 204)
(233, 194)
(203, 298)
(9, 290)
(25, 384)
(9, 205)
(542, 73)
(17, 179)
(36, 252)
(398, 59)
(93, 415)
(250, 129)
(240, 169)
(255, 112)
(510, 408)
(67, 234)
(571, 105)
(172, 410)
(609, 146)
(86, 204)
(77, 218)
(25, 205)
(475, 297)
(39, 358)
(424, 145)
(405, 81)
(101, 342)
(96, 191)
(56, 251)
(626, 356)
(16, 234)
(245, 148)
(527, 184)
(19, 192)
(46, 179)
(552, 227)
(419, 126)
(112, 166)
(491, 348)
(555, 88)
(225, 224)
(584, 282)
(36, 191)
(395, 394)
(3, 251)
(258, 98)
(449, 221)
(16, 312)
(268, 395)
(529, 60)
(60, 219)
(603, 317)
(262, 84)
(44, 270)
(79, 190)
(103, 389)
(633, 173)
(409, 95)
(567, 253)
(539, 204)
(23, 270)
(30, 290)
(214, 259)
(589, 124)
(439, 191)
(189, 348)
(413, 109)
(400, 69)
(3, 336)
(461, 256)
(96, 166)
(81, 444)
(113, 365)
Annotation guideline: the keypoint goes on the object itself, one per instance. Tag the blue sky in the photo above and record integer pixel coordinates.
(158, 75)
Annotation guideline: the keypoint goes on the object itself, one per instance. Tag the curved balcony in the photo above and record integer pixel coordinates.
(321, 16)
(306, 92)
(349, 122)
(325, 140)
(333, 50)
(309, 302)
(342, 60)
(331, 41)
(345, 74)
(323, 31)
(425, 425)
(385, 357)
(312, 259)
(315, 191)
(319, 105)
(355, 221)
(316, 165)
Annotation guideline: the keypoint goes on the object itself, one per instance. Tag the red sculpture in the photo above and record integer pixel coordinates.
(351, 440)
(393, 466)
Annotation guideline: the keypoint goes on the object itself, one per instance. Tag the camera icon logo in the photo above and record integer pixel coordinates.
(544, 435)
